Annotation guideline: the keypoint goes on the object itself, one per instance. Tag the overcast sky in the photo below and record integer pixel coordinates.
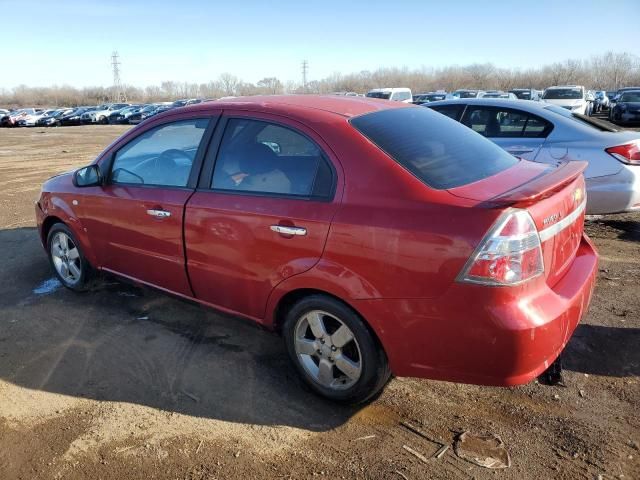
(48, 42)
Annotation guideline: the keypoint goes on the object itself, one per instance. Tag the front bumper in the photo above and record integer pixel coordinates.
(485, 335)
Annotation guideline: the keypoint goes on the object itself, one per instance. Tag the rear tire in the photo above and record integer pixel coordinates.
(67, 258)
(333, 351)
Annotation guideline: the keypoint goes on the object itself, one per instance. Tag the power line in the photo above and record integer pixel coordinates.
(119, 94)
(305, 69)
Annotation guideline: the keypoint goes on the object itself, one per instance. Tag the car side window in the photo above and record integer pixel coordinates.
(537, 127)
(451, 111)
(161, 156)
(498, 123)
(263, 157)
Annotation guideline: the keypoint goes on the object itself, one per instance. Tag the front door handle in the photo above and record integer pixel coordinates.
(159, 213)
(285, 230)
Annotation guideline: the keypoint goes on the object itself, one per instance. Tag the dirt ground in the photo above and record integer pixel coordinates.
(124, 383)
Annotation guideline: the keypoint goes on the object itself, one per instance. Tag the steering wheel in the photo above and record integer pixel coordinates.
(171, 154)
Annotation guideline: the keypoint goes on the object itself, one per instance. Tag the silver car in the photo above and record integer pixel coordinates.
(547, 133)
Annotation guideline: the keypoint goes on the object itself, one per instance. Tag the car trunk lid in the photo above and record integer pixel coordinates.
(555, 198)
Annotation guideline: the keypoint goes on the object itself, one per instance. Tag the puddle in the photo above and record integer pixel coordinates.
(48, 286)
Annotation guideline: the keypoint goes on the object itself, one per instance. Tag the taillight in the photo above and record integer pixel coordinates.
(628, 153)
(508, 255)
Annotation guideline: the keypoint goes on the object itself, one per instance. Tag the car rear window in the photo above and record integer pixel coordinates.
(439, 151)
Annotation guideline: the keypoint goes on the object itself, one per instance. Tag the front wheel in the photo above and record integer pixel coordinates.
(333, 350)
(67, 259)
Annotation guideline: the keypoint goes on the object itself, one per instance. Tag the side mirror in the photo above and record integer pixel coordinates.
(89, 176)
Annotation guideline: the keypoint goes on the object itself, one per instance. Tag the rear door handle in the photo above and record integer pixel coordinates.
(159, 213)
(285, 230)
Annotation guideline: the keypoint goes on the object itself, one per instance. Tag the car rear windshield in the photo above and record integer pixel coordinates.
(439, 151)
(384, 96)
(522, 95)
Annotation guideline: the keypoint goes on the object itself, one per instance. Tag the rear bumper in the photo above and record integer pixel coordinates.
(614, 193)
(485, 335)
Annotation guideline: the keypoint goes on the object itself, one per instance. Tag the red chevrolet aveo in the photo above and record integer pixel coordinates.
(378, 237)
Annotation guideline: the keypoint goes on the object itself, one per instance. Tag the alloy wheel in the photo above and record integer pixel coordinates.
(66, 258)
(328, 350)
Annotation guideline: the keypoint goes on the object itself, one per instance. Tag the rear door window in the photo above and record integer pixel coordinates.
(267, 158)
(494, 122)
(441, 153)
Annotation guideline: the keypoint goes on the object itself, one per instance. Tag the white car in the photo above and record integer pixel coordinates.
(571, 97)
(101, 114)
(392, 93)
(31, 119)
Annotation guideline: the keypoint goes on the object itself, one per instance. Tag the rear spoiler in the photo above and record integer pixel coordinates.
(540, 187)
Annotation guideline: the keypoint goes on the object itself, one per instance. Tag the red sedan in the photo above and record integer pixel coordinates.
(377, 237)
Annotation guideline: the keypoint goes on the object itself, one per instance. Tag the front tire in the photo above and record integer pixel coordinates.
(67, 259)
(333, 350)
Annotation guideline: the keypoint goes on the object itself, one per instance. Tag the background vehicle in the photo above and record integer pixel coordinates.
(571, 97)
(614, 99)
(627, 108)
(526, 93)
(464, 93)
(293, 218)
(497, 94)
(30, 120)
(51, 119)
(122, 116)
(74, 117)
(421, 98)
(101, 114)
(11, 120)
(550, 134)
(395, 94)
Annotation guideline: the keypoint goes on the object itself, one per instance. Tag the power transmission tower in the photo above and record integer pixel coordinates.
(305, 69)
(119, 94)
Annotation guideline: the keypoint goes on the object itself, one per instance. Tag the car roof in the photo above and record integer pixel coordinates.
(494, 102)
(285, 104)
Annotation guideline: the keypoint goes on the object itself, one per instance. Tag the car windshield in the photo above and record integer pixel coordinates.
(630, 97)
(384, 96)
(563, 94)
(582, 119)
(439, 151)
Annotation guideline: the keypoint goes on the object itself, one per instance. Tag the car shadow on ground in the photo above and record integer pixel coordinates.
(123, 343)
(628, 229)
(602, 350)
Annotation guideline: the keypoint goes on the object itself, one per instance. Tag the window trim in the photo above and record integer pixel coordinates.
(196, 166)
(545, 133)
(211, 160)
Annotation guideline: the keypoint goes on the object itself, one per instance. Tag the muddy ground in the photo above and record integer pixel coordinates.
(124, 383)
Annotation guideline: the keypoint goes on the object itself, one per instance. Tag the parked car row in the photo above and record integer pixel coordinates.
(574, 98)
(109, 113)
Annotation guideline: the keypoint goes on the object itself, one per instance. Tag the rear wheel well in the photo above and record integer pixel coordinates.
(288, 300)
(46, 227)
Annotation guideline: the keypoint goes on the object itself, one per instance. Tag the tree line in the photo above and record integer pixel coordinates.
(607, 71)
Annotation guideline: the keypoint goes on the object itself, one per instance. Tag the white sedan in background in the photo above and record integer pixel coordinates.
(547, 133)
